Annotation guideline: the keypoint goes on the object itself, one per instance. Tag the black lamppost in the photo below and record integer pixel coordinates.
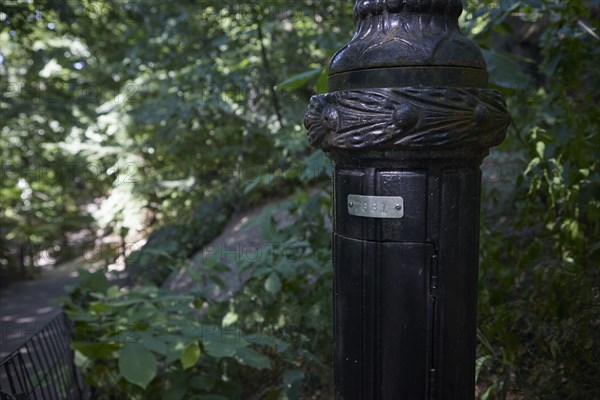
(407, 123)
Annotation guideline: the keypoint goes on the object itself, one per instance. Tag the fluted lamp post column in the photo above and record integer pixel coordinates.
(407, 122)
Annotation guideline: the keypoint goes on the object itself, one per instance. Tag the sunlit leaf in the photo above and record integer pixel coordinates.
(273, 283)
(190, 355)
(300, 80)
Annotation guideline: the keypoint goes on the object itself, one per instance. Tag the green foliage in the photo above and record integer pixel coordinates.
(289, 286)
(148, 108)
(148, 342)
(173, 115)
(145, 341)
(171, 244)
(539, 273)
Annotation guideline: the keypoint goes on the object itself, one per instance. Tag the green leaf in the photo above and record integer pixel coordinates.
(257, 273)
(95, 350)
(504, 71)
(478, 364)
(220, 349)
(273, 283)
(302, 79)
(176, 391)
(174, 351)
(315, 165)
(137, 364)
(323, 81)
(192, 332)
(112, 291)
(155, 345)
(532, 164)
(81, 361)
(202, 382)
(190, 355)
(211, 397)
(230, 318)
(252, 358)
(125, 303)
(93, 281)
(98, 307)
(540, 148)
(292, 382)
(292, 375)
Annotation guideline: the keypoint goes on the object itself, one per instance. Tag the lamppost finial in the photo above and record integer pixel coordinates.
(407, 33)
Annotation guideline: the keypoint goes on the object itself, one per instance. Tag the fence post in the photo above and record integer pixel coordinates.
(407, 122)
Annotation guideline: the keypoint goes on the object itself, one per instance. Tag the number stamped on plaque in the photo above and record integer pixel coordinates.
(376, 206)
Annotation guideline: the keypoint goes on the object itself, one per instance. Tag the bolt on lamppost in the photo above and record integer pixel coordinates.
(407, 122)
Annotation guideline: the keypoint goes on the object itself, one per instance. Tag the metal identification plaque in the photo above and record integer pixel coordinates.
(376, 206)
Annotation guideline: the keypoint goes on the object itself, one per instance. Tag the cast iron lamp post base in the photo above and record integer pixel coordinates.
(407, 123)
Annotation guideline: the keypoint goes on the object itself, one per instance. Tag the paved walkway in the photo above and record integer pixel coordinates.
(26, 306)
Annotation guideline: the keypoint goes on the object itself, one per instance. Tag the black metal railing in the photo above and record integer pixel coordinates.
(43, 367)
